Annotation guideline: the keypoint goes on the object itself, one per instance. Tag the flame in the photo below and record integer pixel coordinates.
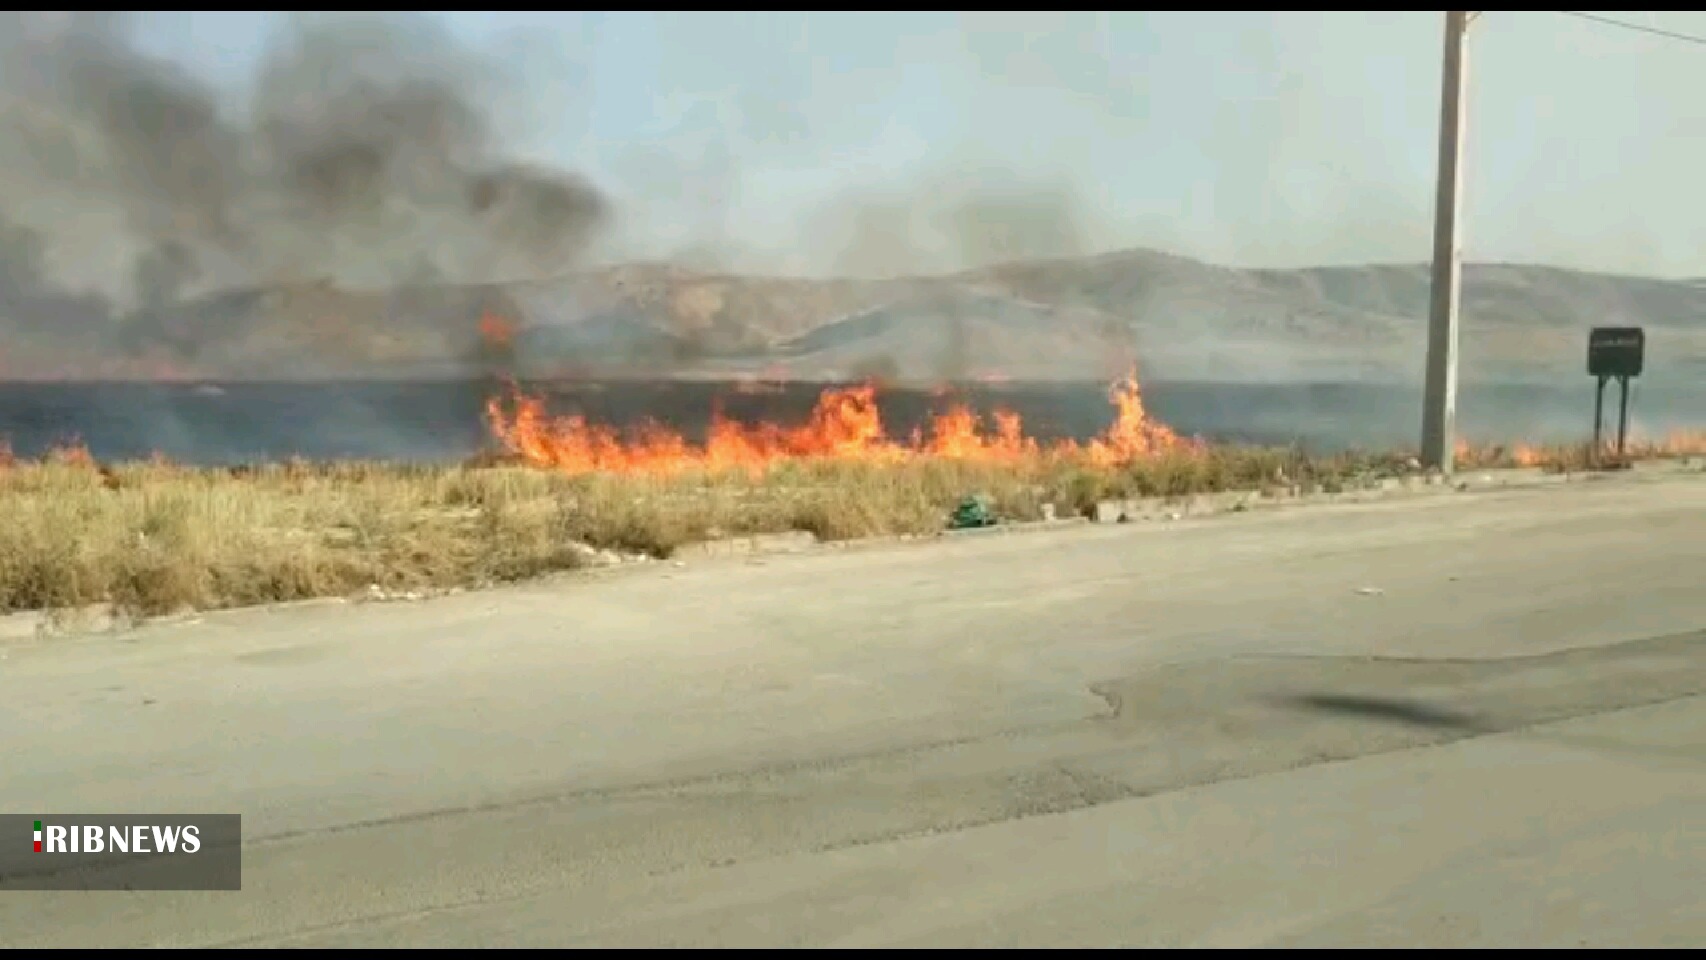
(1675, 443)
(1472, 456)
(73, 454)
(1680, 442)
(846, 424)
(1133, 434)
(495, 331)
(1525, 455)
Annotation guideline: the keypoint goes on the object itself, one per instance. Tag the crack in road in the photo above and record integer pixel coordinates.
(1115, 755)
(1086, 800)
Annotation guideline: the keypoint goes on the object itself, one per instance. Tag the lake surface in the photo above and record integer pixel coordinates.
(438, 421)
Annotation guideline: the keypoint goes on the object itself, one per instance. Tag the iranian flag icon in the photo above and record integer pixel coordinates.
(38, 836)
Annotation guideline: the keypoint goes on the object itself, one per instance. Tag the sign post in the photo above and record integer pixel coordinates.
(1614, 353)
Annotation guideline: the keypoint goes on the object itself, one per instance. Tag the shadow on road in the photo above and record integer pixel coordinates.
(1390, 709)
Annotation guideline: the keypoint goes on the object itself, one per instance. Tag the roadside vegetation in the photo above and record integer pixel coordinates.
(156, 537)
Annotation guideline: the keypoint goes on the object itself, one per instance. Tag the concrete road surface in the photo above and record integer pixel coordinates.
(1472, 720)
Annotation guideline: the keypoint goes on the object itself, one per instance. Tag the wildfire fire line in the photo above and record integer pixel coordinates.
(845, 424)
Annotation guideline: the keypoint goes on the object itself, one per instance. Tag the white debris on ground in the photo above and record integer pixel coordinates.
(378, 594)
(586, 555)
(592, 556)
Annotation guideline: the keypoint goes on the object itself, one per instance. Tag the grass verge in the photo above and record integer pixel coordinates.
(155, 537)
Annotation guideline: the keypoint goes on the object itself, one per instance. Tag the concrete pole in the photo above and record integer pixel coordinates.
(1439, 405)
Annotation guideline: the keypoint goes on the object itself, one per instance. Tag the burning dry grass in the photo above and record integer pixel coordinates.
(155, 537)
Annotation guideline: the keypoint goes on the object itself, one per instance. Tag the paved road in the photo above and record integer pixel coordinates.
(1469, 720)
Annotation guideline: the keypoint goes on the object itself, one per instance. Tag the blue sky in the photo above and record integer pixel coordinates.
(1249, 138)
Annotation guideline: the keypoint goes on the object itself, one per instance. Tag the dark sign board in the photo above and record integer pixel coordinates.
(1616, 351)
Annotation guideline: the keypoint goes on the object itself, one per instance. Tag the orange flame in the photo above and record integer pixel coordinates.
(1527, 456)
(1133, 434)
(1675, 443)
(495, 331)
(846, 424)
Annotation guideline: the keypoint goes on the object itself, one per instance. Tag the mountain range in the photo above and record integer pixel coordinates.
(1062, 319)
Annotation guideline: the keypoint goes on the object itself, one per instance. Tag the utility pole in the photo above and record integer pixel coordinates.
(1439, 404)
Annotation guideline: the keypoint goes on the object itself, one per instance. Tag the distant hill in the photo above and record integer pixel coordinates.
(1076, 318)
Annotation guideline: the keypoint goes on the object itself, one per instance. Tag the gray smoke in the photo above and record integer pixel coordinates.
(367, 154)
(946, 222)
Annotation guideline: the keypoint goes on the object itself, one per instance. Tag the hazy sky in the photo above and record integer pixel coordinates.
(1247, 138)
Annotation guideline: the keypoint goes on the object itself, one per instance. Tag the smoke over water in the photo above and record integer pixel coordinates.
(367, 156)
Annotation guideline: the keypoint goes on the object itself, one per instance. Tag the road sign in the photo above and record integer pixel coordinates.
(1616, 351)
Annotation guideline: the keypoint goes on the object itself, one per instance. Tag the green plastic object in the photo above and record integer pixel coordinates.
(972, 512)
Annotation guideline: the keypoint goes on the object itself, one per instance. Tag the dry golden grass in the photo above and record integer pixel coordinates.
(154, 537)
